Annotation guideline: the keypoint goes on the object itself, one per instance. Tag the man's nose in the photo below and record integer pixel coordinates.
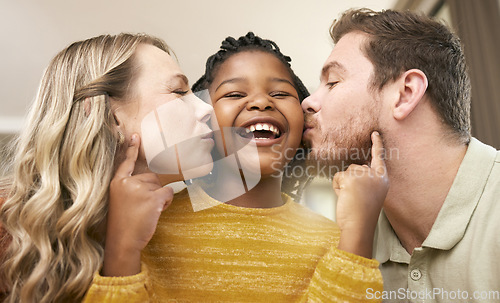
(311, 104)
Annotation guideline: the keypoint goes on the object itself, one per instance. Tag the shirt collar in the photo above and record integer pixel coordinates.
(456, 212)
(387, 245)
(463, 197)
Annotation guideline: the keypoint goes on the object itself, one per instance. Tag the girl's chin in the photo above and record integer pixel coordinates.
(271, 168)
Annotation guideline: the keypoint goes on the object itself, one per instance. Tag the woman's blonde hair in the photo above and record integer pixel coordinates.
(57, 191)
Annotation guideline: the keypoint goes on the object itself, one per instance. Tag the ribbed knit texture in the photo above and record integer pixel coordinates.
(234, 254)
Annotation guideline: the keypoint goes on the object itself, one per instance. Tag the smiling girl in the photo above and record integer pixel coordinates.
(260, 246)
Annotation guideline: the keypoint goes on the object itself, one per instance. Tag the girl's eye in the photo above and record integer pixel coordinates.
(279, 94)
(234, 95)
(331, 85)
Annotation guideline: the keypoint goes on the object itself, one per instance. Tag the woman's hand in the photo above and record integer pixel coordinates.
(135, 205)
(361, 191)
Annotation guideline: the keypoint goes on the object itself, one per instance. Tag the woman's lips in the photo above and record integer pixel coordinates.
(208, 135)
(208, 138)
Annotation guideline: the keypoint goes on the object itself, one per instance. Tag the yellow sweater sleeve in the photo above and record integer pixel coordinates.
(136, 288)
(344, 277)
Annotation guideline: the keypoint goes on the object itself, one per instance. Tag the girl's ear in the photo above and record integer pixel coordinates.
(413, 85)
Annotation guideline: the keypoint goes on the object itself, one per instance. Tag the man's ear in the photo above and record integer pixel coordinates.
(413, 84)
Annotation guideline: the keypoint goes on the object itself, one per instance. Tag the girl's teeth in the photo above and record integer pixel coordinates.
(263, 126)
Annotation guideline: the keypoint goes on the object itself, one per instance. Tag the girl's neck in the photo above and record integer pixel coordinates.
(266, 194)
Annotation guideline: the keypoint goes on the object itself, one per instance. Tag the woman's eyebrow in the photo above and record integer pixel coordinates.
(172, 81)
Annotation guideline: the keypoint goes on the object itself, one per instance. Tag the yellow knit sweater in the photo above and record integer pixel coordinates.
(234, 254)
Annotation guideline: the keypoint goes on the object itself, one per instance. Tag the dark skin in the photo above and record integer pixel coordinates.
(254, 87)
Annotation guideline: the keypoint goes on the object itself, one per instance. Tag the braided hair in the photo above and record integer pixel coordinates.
(291, 185)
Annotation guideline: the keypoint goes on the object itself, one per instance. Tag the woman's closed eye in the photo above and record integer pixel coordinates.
(180, 92)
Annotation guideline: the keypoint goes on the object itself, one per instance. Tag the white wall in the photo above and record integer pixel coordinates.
(34, 31)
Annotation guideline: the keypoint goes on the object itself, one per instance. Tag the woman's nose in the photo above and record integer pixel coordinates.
(203, 111)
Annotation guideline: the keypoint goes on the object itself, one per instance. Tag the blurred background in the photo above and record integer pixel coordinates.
(34, 31)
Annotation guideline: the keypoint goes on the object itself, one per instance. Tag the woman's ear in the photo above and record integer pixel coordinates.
(412, 89)
(119, 126)
(117, 119)
(87, 106)
(117, 115)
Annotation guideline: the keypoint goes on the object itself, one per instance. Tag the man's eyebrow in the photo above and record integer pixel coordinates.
(232, 80)
(332, 65)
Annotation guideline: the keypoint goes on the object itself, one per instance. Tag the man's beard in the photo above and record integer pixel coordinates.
(341, 146)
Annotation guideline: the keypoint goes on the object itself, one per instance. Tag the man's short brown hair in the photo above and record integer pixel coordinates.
(400, 41)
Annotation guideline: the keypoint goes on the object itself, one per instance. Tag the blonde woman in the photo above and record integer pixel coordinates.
(82, 125)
